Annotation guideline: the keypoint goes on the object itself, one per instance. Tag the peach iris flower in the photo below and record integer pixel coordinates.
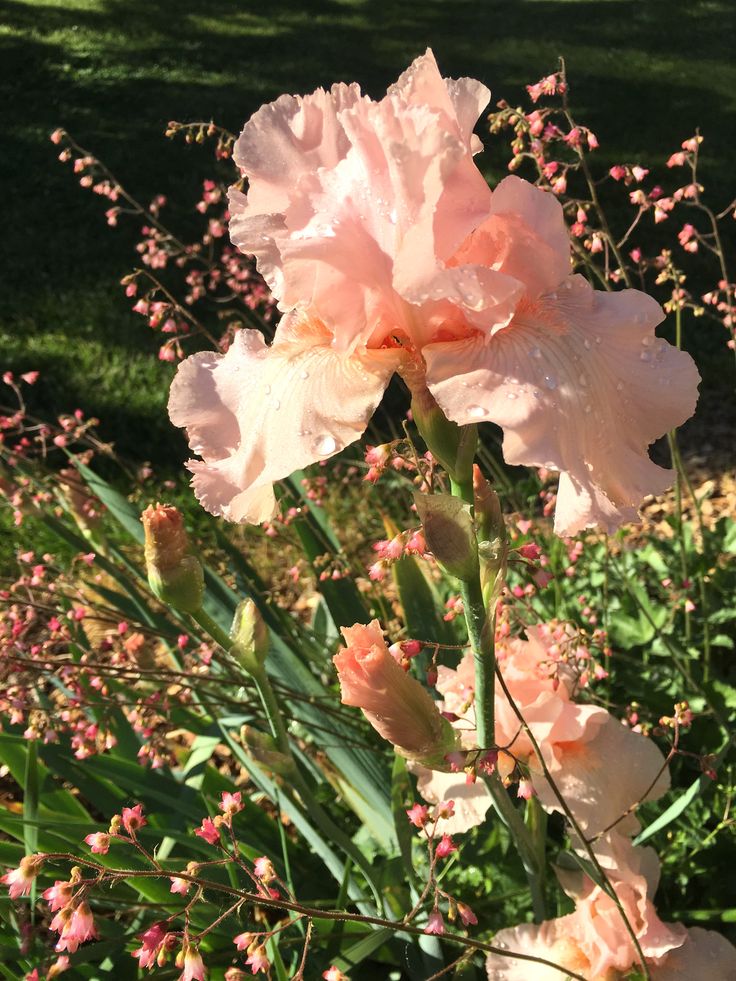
(599, 766)
(386, 249)
(593, 940)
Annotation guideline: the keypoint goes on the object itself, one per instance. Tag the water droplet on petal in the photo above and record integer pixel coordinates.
(589, 467)
(647, 341)
(586, 344)
(511, 395)
(304, 374)
(324, 445)
(267, 389)
(535, 353)
(645, 356)
(550, 381)
(477, 411)
(619, 386)
(583, 380)
(277, 404)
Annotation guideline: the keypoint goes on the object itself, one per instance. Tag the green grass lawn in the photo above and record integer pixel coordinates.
(644, 75)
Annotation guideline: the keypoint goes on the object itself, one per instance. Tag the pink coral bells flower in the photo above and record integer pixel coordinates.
(395, 703)
(445, 846)
(20, 880)
(334, 974)
(231, 804)
(151, 942)
(435, 923)
(257, 960)
(193, 966)
(418, 815)
(208, 830)
(386, 249)
(75, 927)
(525, 790)
(263, 868)
(467, 915)
(59, 895)
(99, 842)
(133, 819)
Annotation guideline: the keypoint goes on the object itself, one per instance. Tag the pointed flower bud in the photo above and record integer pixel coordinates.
(250, 637)
(174, 575)
(395, 703)
(450, 533)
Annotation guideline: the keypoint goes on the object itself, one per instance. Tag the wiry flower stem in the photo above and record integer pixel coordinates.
(312, 913)
(480, 635)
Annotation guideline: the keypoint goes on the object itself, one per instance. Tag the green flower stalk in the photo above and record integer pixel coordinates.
(454, 446)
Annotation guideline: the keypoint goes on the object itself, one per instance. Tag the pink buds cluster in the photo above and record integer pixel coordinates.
(390, 550)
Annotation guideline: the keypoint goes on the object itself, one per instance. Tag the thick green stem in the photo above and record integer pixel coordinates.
(481, 629)
(531, 856)
(480, 635)
(536, 822)
(211, 627)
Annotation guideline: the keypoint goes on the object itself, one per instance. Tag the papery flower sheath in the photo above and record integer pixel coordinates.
(386, 251)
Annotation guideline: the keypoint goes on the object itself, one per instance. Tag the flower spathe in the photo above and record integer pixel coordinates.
(385, 247)
(395, 704)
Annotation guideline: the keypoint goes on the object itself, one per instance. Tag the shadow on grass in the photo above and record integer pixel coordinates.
(113, 72)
